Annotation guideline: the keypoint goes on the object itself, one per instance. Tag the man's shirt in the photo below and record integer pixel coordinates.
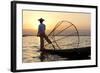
(41, 28)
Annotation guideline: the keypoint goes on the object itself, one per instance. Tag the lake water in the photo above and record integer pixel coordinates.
(31, 46)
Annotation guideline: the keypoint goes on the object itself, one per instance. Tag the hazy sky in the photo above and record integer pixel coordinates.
(30, 20)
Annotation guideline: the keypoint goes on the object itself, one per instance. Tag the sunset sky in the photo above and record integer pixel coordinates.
(30, 21)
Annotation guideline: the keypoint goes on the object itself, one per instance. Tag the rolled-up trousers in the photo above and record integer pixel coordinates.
(42, 37)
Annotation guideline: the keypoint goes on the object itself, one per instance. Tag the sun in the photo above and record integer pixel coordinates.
(30, 20)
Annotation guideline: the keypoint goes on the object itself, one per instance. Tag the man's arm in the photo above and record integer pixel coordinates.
(38, 31)
(44, 27)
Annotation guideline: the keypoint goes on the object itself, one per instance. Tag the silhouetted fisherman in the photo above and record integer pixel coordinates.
(42, 35)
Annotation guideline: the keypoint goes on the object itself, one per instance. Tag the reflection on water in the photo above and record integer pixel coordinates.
(31, 48)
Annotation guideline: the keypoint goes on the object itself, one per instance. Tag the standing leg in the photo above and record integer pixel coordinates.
(41, 43)
(42, 57)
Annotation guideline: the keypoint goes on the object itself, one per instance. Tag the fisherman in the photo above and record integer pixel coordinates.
(41, 34)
